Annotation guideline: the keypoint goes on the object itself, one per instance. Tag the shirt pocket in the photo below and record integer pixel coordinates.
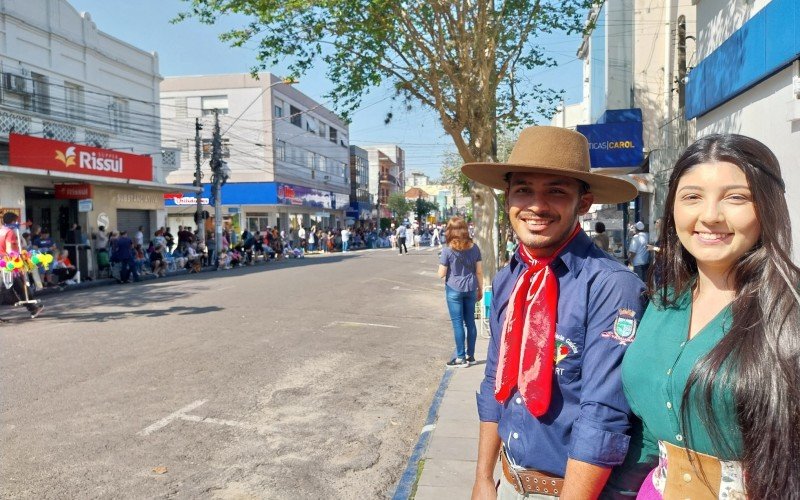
(568, 352)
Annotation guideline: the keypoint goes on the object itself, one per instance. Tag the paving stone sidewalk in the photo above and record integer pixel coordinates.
(450, 459)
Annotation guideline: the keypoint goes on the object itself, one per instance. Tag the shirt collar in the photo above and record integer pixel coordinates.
(573, 256)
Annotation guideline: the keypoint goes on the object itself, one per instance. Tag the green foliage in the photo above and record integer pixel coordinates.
(423, 208)
(466, 59)
(398, 204)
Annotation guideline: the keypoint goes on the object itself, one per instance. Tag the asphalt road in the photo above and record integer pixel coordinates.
(304, 379)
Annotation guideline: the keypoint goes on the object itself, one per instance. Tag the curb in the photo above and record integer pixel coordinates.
(406, 483)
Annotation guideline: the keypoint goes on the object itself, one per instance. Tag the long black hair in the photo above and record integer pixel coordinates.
(759, 357)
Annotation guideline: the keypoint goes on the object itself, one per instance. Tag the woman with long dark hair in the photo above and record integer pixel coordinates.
(714, 372)
(460, 266)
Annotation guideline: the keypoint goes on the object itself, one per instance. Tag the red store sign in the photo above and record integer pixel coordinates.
(73, 191)
(46, 154)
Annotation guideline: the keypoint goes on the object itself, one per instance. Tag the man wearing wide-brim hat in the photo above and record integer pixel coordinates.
(563, 312)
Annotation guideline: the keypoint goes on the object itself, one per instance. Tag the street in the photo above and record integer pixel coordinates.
(302, 379)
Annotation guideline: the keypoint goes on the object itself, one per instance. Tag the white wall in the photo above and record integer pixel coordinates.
(770, 113)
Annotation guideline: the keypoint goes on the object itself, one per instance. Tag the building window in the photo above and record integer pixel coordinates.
(277, 109)
(333, 135)
(295, 116)
(321, 130)
(74, 101)
(280, 150)
(41, 94)
(311, 125)
(216, 102)
(120, 118)
(226, 148)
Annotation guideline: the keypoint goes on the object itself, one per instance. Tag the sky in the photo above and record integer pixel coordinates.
(192, 48)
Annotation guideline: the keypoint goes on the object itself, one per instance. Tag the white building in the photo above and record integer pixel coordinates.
(79, 128)
(387, 172)
(761, 98)
(632, 58)
(288, 155)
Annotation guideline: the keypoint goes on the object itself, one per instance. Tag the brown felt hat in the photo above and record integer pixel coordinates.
(554, 151)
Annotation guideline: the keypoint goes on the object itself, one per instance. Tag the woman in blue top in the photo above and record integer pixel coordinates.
(714, 372)
(460, 266)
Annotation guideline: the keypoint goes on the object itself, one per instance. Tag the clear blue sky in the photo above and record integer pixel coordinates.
(191, 48)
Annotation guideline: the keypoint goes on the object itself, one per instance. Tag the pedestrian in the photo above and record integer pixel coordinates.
(638, 255)
(601, 237)
(435, 239)
(401, 238)
(713, 373)
(125, 255)
(461, 268)
(551, 402)
(139, 236)
(10, 250)
(345, 238)
(170, 239)
(312, 239)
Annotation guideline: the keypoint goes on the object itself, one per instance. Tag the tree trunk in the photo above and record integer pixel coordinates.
(484, 212)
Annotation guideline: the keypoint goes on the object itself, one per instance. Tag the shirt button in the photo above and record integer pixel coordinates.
(669, 405)
(679, 438)
(516, 436)
(519, 401)
(683, 344)
(687, 477)
(669, 372)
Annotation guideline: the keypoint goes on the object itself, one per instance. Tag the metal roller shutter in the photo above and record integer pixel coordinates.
(130, 220)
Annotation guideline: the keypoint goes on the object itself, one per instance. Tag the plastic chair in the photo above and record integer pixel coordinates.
(170, 260)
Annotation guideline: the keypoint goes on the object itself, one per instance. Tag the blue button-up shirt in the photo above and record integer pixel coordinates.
(599, 304)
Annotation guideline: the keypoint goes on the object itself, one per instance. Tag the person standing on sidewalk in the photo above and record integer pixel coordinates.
(401, 238)
(637, 251)
(9, 250)
(563, 312)
(461, 268)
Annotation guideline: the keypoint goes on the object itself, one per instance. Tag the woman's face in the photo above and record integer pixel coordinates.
(715, 216)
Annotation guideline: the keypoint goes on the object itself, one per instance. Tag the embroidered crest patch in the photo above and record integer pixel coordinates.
(624, 330)
(564, 347)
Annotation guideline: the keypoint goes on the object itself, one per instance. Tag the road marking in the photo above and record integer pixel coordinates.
(182, 414)
(353, 323)
(169, 418)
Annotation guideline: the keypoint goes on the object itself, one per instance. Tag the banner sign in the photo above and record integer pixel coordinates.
(73, 191)
(180, 199)
(300, 195)
(46, 154)
(614, 144)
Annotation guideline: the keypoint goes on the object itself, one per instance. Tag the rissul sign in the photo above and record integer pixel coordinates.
(46, 154)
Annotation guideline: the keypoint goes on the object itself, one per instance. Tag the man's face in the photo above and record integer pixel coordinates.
(543, 209)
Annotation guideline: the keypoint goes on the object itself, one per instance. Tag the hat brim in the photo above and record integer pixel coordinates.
(606, 189)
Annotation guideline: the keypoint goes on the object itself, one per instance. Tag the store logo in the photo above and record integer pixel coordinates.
(66, 157)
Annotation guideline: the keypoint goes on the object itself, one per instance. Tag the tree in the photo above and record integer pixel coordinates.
(398, 204)
(423, 208)
(468, 60)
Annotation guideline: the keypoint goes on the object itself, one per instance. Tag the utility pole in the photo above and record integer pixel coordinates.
(218, 178)
(198, 182)
(683, 136)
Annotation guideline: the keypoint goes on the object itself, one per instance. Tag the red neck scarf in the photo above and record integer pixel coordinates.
(527, 348)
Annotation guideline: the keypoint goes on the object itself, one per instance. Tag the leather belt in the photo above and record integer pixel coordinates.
(527, 481)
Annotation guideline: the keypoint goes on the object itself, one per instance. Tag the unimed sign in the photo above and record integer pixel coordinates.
(47, 154)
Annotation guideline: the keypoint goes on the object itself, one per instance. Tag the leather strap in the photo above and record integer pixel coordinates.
(526, 481)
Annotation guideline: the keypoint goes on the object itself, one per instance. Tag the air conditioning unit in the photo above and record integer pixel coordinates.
(13, 82)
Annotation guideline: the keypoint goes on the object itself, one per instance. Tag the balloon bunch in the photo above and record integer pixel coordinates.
(24, 261)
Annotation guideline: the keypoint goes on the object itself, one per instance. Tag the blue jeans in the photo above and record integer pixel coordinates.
(345, 244)
(461, 306)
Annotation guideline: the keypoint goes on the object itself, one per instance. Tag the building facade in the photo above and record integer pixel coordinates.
(634, 59)
(287, 155)
(387, 172)
(360, 199)
(761, 99)
(79, 130)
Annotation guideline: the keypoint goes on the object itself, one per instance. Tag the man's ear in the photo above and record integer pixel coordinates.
(585, 203)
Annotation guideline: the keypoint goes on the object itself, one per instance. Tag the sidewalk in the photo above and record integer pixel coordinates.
(450, 459)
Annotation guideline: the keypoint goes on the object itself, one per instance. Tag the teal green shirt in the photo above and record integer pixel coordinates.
(655, 370)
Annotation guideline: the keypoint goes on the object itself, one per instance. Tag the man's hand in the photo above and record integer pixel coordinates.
(483, 489)
(478, 295)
